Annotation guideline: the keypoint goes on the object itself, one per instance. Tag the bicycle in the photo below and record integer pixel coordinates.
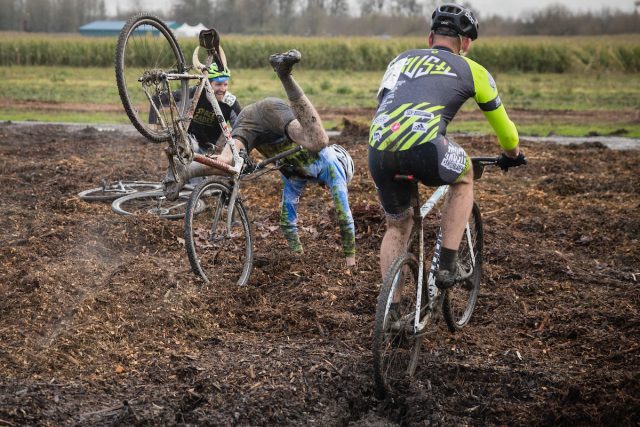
(113, 190)
(148, 61)
(154, 203)
(398, 334)
(219, 239)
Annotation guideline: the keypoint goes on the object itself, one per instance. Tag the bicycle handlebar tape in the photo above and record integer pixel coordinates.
(214, 163)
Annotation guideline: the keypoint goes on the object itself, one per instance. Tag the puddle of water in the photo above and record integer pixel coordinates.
(612, 142)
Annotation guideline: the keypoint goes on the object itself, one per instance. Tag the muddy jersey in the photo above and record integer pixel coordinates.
(421, 92)
(262, 125)
(204, 125)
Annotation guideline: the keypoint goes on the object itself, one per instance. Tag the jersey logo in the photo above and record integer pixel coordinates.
(419, 66)
(381, 119)
(395, 127)
(419, 127)
(418, 113)
(229, 99)
(492, 82)
(455, 159)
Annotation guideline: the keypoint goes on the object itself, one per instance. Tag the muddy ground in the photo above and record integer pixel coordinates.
(102, 322)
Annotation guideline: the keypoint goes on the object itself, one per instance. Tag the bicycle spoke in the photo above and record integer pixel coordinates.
(146, 45)
(217, 253)
(394, 337)
(460, 300)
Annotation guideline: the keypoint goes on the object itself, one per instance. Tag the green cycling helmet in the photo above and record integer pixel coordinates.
(218, 76)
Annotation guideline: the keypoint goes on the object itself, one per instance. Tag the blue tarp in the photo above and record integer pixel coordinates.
(112, 28)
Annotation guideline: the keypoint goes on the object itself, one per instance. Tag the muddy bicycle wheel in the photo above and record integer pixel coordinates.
(147, 44)
(460, 300)
(113, 190)
(216, 253)
(153, 203)
(395, 347)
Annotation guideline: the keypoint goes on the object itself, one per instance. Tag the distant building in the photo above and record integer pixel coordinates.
(112, 28)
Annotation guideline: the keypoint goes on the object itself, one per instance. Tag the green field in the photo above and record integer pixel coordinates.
(499, 54)
(89, 95)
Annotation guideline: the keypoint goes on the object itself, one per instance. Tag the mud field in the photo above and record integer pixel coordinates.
(102, 322)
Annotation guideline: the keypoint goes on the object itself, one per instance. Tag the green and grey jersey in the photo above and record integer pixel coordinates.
(421, 92)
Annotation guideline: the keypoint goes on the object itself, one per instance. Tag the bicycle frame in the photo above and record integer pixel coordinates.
(434, 292)
(179, 145)
(419, 215)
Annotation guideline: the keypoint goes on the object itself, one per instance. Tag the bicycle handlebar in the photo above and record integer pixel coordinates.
(277, 157)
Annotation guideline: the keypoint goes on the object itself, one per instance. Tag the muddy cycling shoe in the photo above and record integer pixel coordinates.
(445, 279)
(282, 63)
(171, 184)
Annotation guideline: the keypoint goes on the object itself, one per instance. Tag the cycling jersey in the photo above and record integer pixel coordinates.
(262, 126)
(421, 92)
(204, 124)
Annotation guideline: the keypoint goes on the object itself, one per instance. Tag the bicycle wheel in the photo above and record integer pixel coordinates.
(215, 252)
(154, 203)
(147, 44)
(460, 300)
(116, 189)
(395, 347)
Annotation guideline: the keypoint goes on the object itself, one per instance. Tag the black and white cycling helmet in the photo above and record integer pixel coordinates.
(345, 159)
(453, 19)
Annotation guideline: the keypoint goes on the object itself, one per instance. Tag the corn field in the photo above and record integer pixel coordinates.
(513, 54)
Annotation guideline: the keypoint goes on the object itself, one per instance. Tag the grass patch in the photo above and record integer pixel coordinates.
(627, 130)
(90, 95)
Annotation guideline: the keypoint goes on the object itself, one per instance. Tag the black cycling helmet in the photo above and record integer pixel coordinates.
(453, 19)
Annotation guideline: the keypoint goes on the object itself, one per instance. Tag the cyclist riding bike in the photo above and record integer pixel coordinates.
(421, 92)
(273, 126)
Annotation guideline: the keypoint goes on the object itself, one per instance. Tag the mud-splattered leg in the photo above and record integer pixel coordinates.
(309, 126)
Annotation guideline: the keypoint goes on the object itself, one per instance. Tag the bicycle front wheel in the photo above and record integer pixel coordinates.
(153, 203)
(395, 346)
(216, 252)
(116, 189)
(147, 44)
(460, 300)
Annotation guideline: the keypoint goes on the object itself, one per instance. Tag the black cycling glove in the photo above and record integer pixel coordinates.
(505, 162)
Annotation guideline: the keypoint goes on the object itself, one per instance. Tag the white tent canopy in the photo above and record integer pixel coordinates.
(186, 30)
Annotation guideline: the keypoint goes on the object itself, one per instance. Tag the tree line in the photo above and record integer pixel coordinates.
(313, 17)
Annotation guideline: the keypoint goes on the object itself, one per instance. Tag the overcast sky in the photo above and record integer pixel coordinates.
(484, 7)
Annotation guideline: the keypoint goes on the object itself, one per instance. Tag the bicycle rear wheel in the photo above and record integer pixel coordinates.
(147, 44)
(460, 300)
(215, 252)
(154, 203)
(395, 347)
(116, 189)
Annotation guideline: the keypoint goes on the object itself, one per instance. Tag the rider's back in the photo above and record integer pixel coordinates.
(421, 92)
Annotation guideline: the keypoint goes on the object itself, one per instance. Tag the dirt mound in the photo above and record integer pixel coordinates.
(102, 322)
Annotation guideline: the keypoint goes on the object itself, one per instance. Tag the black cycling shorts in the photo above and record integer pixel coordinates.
(435, 163)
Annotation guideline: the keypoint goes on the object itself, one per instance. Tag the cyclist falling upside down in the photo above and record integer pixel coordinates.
(420, 93)
(273, 126)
